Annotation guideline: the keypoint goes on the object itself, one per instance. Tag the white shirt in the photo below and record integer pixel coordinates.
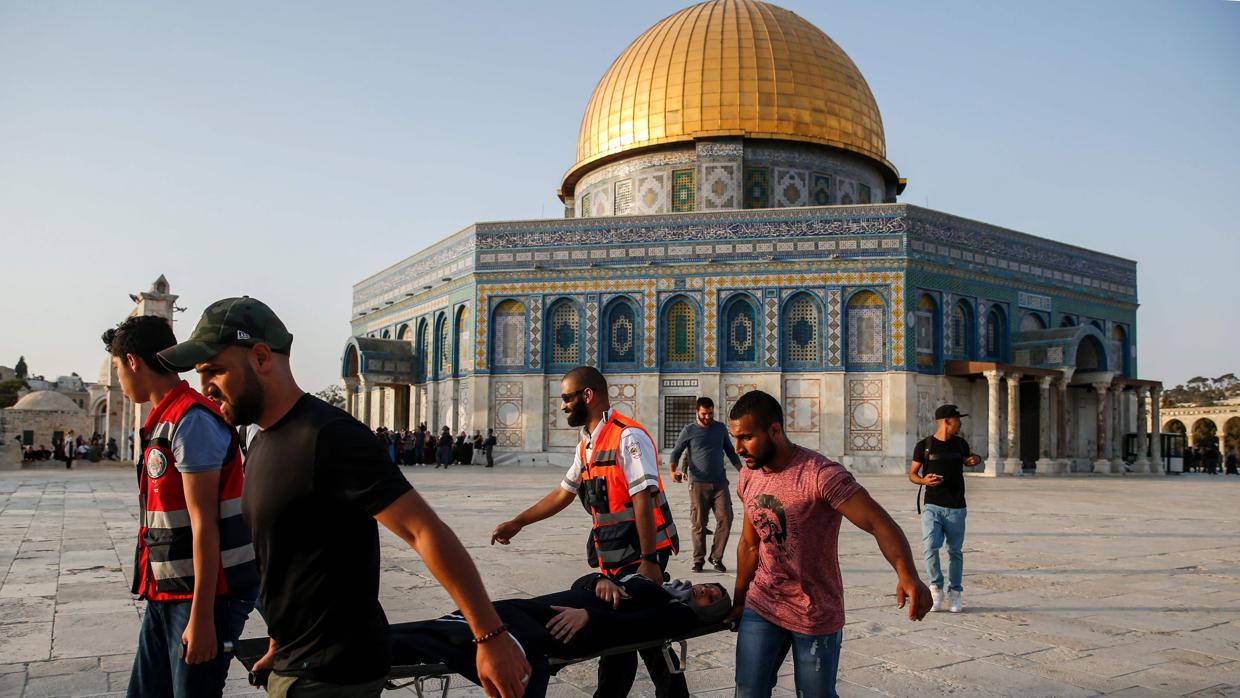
(635, 456)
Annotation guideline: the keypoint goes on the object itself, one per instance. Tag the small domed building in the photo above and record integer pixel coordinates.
(42, 418)
(732, 223)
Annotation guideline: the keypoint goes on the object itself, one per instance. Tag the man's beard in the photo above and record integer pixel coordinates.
(248, 405)
(578, 415)
(762, 458)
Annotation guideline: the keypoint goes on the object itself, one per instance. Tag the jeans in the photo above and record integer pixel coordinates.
(158, 668)
(761, 647)
(939, 523)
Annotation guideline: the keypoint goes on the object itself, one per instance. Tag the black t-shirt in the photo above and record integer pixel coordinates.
(945, 458)
(314, 482)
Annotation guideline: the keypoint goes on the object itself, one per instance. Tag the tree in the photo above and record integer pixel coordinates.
(9, 390)
(332, 395)
(20, 369)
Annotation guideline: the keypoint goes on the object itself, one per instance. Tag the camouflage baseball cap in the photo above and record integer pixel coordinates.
(241, 322)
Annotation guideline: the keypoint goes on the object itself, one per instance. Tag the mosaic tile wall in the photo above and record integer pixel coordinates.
(801, 331)
(865, 415)
(623, 397)
(718, 186)
(791, 188)
(683, 333)
(565, 335)
(622, 338)
(757, 187)
(742, 332)
(591, 358)
(802, 401)
(833, 328)
(684, 191)
(509, 334)
(509, 413)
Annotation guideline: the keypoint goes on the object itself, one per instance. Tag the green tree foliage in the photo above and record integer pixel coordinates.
(332, 395)
(1201, 391)
(8, 391)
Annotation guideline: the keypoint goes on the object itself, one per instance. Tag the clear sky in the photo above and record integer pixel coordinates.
(286, 150)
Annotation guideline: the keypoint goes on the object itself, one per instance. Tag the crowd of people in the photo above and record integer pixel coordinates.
(73, 447)
(1208, 459)
(422, 446)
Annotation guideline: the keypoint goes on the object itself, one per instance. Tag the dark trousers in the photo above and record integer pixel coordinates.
(158, 667)
(490, 457)
(616, 672)
(705, 497)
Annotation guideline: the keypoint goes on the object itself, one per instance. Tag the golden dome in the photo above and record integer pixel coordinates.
(729, 68)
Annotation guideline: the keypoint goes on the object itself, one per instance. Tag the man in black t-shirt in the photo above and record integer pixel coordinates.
(939, 461)
(316, 482)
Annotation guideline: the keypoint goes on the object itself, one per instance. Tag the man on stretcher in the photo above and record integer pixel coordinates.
(595, 615)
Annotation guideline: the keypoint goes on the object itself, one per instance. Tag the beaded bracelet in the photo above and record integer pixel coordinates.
(503, 628)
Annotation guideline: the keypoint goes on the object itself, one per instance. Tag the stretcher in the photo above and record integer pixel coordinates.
(431, 678)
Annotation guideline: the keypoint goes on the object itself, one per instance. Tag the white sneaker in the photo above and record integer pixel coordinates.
(936, 595)
(953, 601)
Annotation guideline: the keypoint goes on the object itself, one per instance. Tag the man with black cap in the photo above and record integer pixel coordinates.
(316, 482)
(939, 461)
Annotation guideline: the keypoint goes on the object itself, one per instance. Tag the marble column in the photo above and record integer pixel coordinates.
(994, 423)
(349, 385)
(1045, 465)
(1062, 425)
(1102, 462)
(1156, 454)
(1142, 465)
(1013, 463)
(364, 388)
(1118, 407)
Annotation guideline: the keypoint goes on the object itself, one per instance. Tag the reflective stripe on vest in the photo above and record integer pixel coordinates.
(184, 567)
(615, 538)
(180, 517)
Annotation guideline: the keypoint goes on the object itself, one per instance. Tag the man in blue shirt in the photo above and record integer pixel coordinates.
(707, 442)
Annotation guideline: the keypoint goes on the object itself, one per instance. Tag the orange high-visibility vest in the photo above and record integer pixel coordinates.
(614, 536)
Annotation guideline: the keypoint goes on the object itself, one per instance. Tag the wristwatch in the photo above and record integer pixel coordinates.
(650, 557)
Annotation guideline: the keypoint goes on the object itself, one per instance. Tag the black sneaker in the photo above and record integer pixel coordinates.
(718, 565)
(697, 567)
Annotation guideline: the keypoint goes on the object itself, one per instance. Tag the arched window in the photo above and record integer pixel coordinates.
(866, 338)
(740, 332)
(927, 320)
(962, 330)
(801, 331)
(564, 335)
(422, 356)
(1089, 355)
(622, 348)
(508, 335)
(1031, 322)
(404, 334)
(1067, 321)
(387, 334)
(443, 363)
(996, 334)
(460, 362)
(680, 332)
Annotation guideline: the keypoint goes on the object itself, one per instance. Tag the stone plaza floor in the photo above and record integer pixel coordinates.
(1081, 586)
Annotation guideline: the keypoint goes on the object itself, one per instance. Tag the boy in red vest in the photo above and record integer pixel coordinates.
(194, 562)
